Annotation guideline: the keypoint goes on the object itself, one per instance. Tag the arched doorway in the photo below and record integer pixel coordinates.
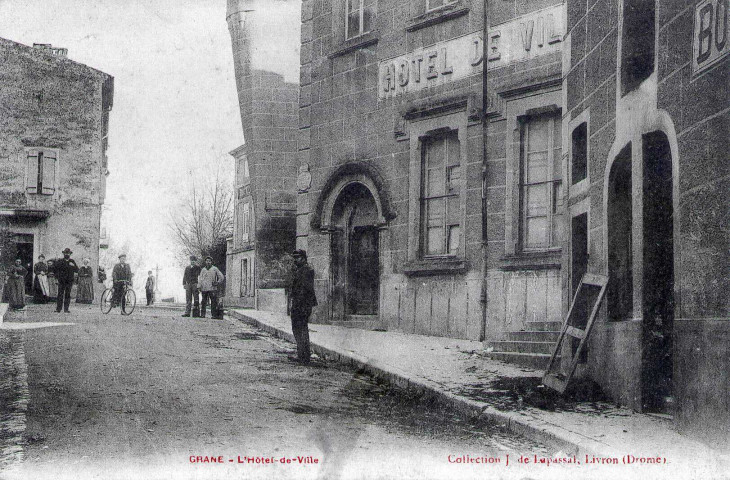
(355, 261)
(620, 292)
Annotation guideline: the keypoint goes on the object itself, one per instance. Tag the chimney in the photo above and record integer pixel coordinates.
(48, 48)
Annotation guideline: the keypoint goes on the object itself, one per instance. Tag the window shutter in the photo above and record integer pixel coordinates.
(49, 173)
(31, 176)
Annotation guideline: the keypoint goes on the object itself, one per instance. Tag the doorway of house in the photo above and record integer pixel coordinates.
(363, 281)
(355, 257)
(658, 273)
(24, 251)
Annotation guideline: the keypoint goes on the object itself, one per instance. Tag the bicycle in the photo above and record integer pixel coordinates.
(128, 301)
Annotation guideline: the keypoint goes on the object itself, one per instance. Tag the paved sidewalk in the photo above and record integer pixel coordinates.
(454, 371)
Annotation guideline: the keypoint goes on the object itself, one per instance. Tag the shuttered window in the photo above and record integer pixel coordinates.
(41, 171)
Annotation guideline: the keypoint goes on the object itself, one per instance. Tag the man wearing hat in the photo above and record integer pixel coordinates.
(64, 269)
(190, 282)
(120, 274)
(301, 298)
(209, 279)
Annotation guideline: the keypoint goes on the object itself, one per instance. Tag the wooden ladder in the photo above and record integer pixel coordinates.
(555, 378)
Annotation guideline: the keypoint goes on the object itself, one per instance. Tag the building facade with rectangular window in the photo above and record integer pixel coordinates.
(390, 158)
(53, 141)
(646, 121)
(265, 40)
(524, 181)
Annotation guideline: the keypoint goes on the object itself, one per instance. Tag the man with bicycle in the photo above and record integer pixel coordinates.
(121, 275)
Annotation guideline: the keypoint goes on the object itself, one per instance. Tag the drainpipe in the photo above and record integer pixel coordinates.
(485, 123)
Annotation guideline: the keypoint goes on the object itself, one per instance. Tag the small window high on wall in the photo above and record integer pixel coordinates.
(637, 43)
(579, 153)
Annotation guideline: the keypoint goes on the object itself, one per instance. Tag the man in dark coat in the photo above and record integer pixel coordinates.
(64, 269)
(190, 283)
(121, 274)
(301, 298)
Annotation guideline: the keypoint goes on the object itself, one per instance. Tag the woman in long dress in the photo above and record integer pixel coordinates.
(52, 282)
(16, 284)
(85, 292)
(40, 283)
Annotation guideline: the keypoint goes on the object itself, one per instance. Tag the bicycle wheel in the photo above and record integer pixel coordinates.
(129, 302)
(106, 301)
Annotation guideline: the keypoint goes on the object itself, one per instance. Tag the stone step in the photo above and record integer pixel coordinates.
(538, 361)
(522, 347)
(532, 336)
(544, 326)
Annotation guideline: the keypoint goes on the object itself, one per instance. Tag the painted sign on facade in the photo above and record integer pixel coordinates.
(427, 67)
(533, 35)
(711, 30)
(527, 37)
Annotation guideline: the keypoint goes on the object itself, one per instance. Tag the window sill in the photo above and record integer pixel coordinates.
(435, 266)
(439, 15)
(357, 43)
(245, 247)
(543, 260)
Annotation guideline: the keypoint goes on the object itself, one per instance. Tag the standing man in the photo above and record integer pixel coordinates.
(64, 270)
(301, 298)
(190, 282)
(120, 274)
(208, 281)
(149, 288)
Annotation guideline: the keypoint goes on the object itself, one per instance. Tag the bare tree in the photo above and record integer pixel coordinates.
(205, 222)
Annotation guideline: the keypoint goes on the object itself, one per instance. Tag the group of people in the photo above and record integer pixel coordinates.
(53, 280)
(206, 281)
(56, 277)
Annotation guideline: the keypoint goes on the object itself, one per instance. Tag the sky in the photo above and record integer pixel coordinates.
(175, 114)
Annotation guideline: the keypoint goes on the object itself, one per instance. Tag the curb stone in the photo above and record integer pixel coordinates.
(569, 443)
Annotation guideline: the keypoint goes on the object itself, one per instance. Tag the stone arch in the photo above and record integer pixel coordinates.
(658, 121)
(344, 176)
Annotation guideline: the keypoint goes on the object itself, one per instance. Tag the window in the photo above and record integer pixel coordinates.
(41, 171)
(358, 17)
(637, 43)
(540, 183)
(244, 278)
(434, 4)
(441, 191)
(579, 153)
(245, 221)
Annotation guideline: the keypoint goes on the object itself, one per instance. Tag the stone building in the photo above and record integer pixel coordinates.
(53, 140)
(390, 151)
(415, 220)
(265, 38)
(646, 127)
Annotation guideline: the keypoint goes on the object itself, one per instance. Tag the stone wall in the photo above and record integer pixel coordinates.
(701, 116)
